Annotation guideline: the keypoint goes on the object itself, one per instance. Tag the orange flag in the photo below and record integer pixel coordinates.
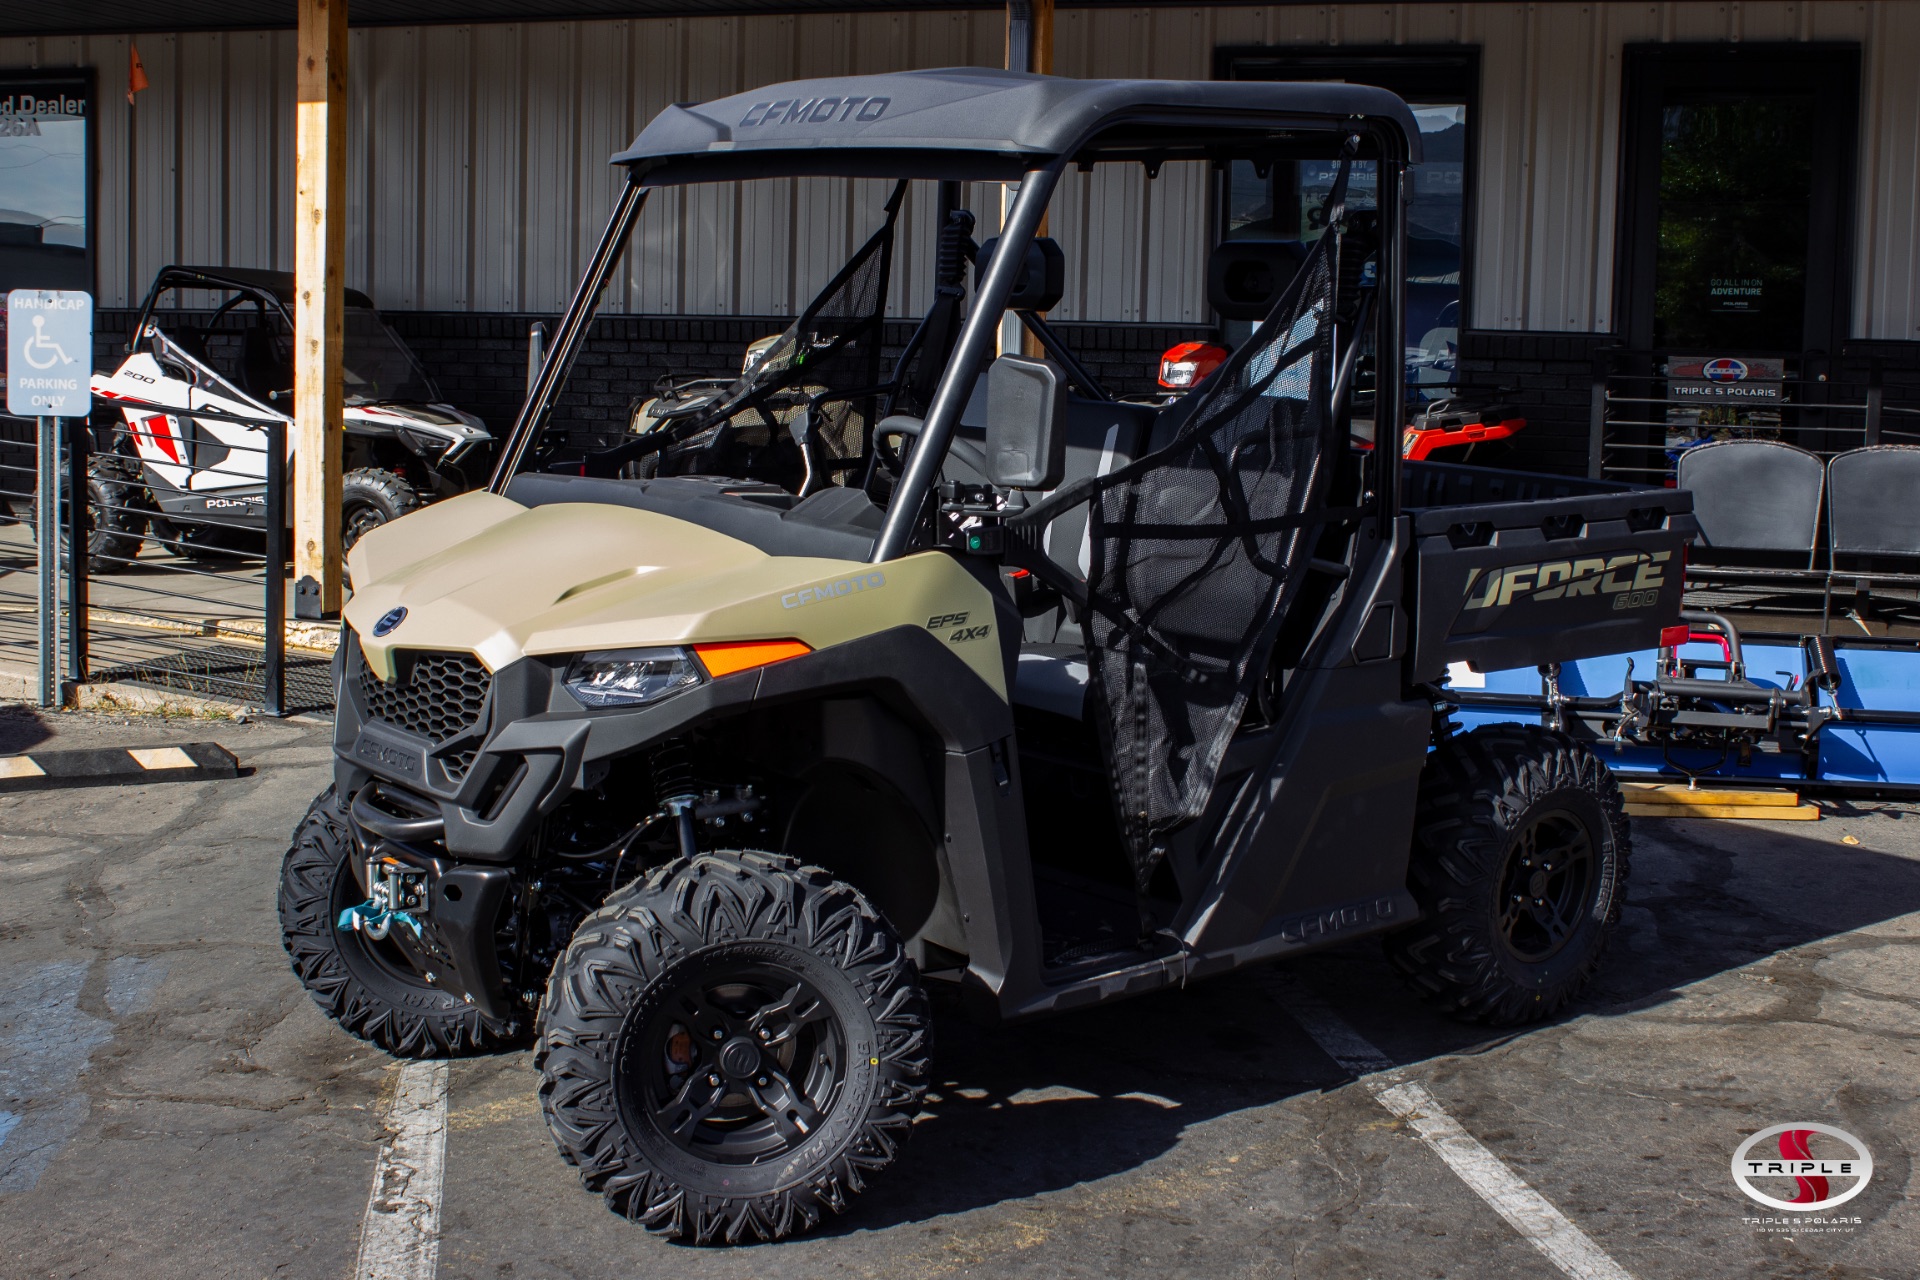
(136, 74)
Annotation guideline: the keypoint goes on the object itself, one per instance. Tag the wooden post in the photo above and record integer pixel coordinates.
(319, 248)
(1029, 48)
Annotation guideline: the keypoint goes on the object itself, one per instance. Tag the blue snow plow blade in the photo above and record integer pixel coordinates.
(1770, 709)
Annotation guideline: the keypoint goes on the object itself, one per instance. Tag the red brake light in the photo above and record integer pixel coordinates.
(1674, 637)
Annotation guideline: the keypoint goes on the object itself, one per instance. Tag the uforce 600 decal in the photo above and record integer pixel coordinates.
(1632, 578)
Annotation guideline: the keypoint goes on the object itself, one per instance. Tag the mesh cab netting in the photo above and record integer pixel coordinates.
(1198, 549)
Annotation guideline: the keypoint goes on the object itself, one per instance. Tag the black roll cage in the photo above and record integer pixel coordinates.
(1189, 135)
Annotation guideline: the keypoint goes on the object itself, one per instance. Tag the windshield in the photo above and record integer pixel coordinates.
(377, 366)
(800, 413)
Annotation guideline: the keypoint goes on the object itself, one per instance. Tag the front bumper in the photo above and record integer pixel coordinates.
(459, 910)
(531, 747)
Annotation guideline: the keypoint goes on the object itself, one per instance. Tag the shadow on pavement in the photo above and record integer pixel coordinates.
(1017, 1111)
(21, 729)
(1718, 895)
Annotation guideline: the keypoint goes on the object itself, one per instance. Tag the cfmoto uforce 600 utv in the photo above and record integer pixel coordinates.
(704, 749)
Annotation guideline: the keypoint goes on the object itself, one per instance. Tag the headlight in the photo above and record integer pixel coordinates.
(425, 443)
(628, 677)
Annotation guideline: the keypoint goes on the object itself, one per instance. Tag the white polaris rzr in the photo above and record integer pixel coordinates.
(198, 483)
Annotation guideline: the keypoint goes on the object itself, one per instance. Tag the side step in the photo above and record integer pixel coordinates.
(1674, 800)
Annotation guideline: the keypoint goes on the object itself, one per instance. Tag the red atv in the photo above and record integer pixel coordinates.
(1443, 425)
(1449, 424)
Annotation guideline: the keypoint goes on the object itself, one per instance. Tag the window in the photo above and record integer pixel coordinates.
(45, 241)
(1442, 87)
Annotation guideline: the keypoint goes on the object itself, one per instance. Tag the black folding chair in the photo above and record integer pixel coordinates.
(1759, 504)
(1873, 506)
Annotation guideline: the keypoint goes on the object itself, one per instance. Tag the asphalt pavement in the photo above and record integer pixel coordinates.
(172, 1104)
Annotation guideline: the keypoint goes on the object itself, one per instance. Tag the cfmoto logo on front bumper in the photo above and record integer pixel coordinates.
(1632, 578)
(389, 620)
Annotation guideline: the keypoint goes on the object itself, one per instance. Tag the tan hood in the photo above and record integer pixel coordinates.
(485, 575)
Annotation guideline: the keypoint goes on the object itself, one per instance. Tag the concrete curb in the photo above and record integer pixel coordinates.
(128, 699)
(116, 766)
(317, 637)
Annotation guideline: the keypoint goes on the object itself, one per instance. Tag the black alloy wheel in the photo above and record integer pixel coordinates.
(369, 498)
(1547, 887)
(732, 1048)
(1519, 865)
(742, 1065)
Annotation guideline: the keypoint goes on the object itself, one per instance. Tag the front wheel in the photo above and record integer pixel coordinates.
(365, 985)
(1519, 864)
(732, 1048)
(369, 498)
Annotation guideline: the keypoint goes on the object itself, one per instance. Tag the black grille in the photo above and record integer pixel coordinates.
(437, 695)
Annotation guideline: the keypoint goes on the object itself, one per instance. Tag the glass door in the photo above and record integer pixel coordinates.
(1734, 222)
(1737, 202)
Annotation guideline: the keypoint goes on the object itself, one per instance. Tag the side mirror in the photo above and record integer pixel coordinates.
(1245, 277)
(1026, 423)
(1042, 281)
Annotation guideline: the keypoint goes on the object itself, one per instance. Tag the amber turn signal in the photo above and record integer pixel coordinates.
(744, 655)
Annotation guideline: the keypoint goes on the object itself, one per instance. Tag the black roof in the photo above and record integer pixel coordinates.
(74, 16)
(978, 123)
(277, 283)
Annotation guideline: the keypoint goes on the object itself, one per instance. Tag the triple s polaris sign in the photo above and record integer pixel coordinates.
(1724, 379)
(49, 353)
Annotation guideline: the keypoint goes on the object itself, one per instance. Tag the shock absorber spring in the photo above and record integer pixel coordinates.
(674, 790)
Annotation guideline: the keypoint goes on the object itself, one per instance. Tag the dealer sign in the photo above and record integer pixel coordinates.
(1726, 379)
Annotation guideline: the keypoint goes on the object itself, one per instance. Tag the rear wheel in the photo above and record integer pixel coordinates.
(116, 522)
(369, 498)
(731, 1048)
(1520, 859)
(364, 984)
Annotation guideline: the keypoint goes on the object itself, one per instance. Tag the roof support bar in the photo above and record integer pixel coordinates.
(976, 342)
(570, 336)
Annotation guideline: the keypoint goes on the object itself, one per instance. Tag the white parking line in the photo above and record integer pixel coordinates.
(1526, 1210)
(400, 1236)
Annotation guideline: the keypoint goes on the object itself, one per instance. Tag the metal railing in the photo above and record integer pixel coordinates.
(181, 580)
(1638, 426)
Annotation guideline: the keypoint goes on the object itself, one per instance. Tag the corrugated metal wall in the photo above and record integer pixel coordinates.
(478, 178)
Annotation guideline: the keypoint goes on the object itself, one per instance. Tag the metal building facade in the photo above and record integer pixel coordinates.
(479, 182)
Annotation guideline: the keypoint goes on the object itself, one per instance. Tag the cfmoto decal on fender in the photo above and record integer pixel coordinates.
(833, 590)
(1632, 578)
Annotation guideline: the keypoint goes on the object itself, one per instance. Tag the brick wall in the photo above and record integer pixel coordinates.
(480, 360)
(1548, 377)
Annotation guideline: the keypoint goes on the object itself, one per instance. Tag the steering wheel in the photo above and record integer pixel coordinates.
(898, 427)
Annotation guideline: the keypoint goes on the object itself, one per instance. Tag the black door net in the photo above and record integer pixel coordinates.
(1198, 550)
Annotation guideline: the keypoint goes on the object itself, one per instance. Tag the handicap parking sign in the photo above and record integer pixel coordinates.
(49, 353)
